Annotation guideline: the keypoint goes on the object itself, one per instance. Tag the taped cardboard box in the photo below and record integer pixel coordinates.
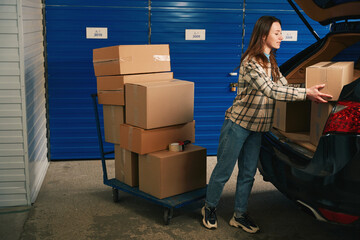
(164, 174)
(126, 166)
(113, 118)
(111, 97)
(107, 83)
(159, 104)
(333, 74)
(131, 59)
(144, 141)
(319, 115)
(292, 116)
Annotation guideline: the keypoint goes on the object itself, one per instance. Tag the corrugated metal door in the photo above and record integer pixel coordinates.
(206, 62)
(71, 78)
(289, 21)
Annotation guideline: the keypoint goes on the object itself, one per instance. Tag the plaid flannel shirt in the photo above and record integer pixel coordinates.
(253, 107)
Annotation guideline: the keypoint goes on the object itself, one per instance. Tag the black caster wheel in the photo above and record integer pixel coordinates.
(168, 213)
(115, 195)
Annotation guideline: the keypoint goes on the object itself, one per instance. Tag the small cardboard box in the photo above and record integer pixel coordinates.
(111, 97)
(144, 141)
(113, 118)
(164, 174)
(159, 104)
(126, 166)
(107, 83)
(319, 115)
(334, 74)
(292, 116)
(131, 59)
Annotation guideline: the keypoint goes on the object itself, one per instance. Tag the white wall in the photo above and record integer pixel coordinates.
(23, 161)
(34, 70)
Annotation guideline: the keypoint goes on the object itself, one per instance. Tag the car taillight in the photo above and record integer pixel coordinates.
(338, 217)
(345, 118)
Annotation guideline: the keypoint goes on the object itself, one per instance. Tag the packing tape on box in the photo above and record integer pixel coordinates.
(161, 58)
(175, 147)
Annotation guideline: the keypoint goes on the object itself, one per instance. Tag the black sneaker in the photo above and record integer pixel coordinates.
(245, 223)
(209, 217)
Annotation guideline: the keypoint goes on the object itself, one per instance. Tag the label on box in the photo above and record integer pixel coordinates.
(161, 58)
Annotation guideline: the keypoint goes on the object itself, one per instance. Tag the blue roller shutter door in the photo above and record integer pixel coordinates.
(290, 22)
(206, 62)
(71, 78)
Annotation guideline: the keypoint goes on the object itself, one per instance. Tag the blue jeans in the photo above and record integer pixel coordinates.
(236, 143)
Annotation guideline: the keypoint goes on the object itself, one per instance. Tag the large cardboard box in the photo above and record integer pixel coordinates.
(292, 116)
(106, 83)
(319, 115)
(126, 166)
(159, 104)
(144, 141)
(164, 174)
(131, 59)
(334, 74)
(113, 118)
(111, 97)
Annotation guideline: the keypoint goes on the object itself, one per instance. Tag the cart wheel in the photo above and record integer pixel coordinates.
(115, 195)
(168, 213)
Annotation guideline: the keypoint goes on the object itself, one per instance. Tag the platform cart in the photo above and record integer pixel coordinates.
(169, 203)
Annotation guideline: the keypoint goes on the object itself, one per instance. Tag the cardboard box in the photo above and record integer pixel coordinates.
(113, 118)
(144, 141)
(159, 104)
(111, 97)
(319, 115)
(292, 116)
(334, 74)
(131, 59)
(118, 82)
(126, 166)
(164, 174)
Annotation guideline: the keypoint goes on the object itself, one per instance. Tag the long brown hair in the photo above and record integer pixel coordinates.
(256, 45)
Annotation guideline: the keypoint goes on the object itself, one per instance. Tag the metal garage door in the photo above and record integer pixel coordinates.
(71, 78)
(290, 23)
(207, 62)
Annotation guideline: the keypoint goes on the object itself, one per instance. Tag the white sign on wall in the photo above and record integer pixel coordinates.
(194, 34)
(290, 36)
(96, 33)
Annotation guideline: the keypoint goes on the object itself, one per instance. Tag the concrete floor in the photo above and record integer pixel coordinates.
(75, 204)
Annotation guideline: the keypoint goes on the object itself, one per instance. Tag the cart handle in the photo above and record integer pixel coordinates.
(101, 146)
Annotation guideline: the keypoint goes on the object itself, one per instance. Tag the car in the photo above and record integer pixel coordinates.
(323, 179)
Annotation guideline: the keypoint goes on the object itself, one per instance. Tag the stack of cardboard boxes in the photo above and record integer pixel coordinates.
(145, 109)
(310, 116)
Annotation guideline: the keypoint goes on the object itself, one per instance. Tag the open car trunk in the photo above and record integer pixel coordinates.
(324, 50)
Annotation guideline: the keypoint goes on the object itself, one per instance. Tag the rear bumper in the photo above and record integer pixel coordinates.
(330, 180)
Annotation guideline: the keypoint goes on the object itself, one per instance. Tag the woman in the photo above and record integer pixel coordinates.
(260, 84)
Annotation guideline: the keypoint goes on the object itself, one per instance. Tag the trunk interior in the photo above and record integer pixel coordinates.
(334, 45)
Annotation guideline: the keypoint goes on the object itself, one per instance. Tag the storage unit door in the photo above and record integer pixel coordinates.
(71, 79)
(296, 35)
(206, 41)
(205, 46)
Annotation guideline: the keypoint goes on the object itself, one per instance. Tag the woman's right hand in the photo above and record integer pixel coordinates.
(315, 95)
